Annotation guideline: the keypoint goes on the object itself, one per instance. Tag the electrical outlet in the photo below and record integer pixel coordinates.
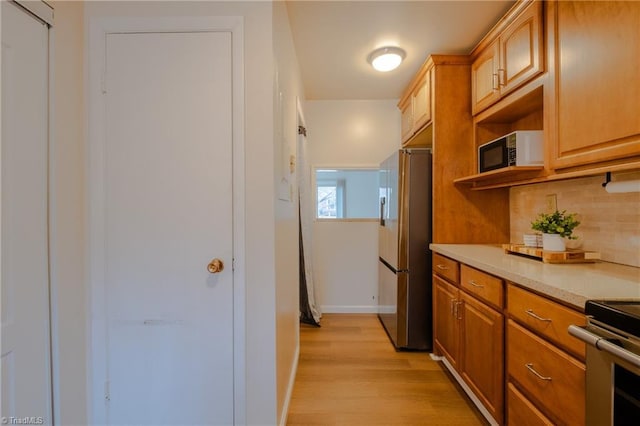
(552, 203)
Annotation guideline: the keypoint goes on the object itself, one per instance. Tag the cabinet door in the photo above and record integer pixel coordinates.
(597, 82)
(547, 318)
(482, 353)
(521, 53)
(521, 412)
(422, 102)
(446, 328)
(406, 117)
(484, 78)
(555, 380)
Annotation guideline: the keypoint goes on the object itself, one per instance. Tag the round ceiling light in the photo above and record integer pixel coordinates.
(386, 58)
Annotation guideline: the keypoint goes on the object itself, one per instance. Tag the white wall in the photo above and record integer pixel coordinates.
(260, 258)
(345, 254)
(286, 211)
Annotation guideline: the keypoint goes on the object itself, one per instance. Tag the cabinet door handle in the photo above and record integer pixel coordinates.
(453, 302)
(539, 318)
(502, 77)
(458, 317)
(495, 83)
(538, 375)
(442, 267)
(475, 284)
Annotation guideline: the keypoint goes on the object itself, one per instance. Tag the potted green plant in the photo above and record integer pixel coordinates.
(555, 227)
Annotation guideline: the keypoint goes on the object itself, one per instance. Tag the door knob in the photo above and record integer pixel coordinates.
(215, 266)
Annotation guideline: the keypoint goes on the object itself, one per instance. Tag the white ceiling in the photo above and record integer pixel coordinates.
(333, 39)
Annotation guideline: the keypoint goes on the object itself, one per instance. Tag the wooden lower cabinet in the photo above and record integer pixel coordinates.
(482, 353)
(470, 335)
(446, 326)
(546, 318)
(509, 346)
(521, 412)
(551, 378)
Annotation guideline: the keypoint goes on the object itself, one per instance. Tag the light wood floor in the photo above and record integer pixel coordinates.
(350, 374)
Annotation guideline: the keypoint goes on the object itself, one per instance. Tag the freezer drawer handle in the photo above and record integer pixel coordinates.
(603, 344)
(540, 376)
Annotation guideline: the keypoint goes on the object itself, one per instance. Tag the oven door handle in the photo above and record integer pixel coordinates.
(603, 344)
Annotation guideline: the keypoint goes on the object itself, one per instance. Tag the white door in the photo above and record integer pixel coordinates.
(26, 373)
(167, 212)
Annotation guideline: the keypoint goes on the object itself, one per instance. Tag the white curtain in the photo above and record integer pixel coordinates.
(309, 310)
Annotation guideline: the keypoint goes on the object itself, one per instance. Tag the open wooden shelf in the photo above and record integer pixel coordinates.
(511, 174)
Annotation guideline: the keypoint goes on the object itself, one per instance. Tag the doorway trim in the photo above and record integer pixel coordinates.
(95, 52)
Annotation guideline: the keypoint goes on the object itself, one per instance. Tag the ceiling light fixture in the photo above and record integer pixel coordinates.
(386, 58)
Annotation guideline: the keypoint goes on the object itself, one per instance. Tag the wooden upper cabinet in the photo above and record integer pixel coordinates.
(406, 117)
(521, 52)
(484, 78)
(597, 83)
(421, 99)
(415, 106)
(514, 57)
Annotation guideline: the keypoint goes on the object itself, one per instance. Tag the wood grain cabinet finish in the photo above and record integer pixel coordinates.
(482, 285)
(421, 99)
(597, 83)
(512, 59)
(447, 268)
(469, 334)
(482, 353)
(550, 377)
(484, 78)
(521, 412)
(445, 323)
(415, 107)
(546, 318)
(406, 119)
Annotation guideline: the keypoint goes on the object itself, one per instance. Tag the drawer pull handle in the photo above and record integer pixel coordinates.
(539, 318)
(538, 375)
(442, 267)
(475, 284)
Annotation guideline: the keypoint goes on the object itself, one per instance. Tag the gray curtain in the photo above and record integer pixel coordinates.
(309, 310)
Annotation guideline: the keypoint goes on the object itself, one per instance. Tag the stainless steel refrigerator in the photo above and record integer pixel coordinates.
(404, 264)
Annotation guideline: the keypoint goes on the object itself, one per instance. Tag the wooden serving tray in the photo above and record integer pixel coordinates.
(569, 256)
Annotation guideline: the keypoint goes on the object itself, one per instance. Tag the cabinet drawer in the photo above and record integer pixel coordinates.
(546, 317)
(552, 377)
(446, 268)
(485, 286)
(521, 412)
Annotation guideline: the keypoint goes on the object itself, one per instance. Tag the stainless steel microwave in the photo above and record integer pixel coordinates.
(519, 148)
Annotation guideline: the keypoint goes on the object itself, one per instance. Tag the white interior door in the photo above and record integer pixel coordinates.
(26, 373)
(167, 212)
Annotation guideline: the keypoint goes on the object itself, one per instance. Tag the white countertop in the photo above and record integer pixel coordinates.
(573, 283)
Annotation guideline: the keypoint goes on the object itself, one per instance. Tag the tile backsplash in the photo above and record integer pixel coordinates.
(610, 223)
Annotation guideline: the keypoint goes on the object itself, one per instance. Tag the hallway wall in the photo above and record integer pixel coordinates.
(358, 133)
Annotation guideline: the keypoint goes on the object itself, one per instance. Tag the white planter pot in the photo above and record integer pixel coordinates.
(553, 242)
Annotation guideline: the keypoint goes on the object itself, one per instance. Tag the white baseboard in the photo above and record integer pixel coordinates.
(349, 309)
(469, 392)
(292, 380)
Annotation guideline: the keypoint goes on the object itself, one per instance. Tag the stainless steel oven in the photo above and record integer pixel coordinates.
(612, 337)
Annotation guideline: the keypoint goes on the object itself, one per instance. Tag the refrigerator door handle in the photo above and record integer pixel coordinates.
(383, 201)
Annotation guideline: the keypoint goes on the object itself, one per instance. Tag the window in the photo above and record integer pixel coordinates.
(347, 193)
